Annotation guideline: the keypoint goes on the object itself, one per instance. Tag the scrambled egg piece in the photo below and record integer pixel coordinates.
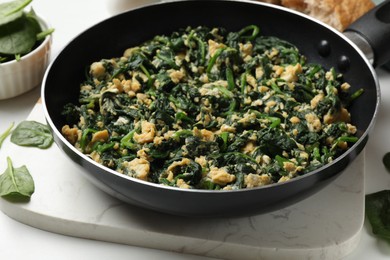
(255, 180)
(140, 168)
(71, 134)
(100, 136)
(290, 73)
(148, 131)
(340, 116)
(214, 46)
(220, 176)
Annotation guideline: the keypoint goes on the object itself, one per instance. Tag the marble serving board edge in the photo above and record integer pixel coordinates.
(322, 226)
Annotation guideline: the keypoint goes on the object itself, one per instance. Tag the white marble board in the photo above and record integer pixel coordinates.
(326, 225)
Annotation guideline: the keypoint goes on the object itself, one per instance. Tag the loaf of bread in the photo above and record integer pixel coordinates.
(336, 13)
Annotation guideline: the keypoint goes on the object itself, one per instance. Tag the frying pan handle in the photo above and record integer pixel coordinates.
(374, 28)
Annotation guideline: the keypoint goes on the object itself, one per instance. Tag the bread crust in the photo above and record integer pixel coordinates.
(337, 13)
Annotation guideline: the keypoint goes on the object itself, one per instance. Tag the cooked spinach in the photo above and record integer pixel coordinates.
(32, 133)
(16, 184)
(211, 109)
(7, 132)
(20, 31)
(378, 213)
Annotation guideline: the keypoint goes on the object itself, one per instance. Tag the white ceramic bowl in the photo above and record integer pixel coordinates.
(18, 77)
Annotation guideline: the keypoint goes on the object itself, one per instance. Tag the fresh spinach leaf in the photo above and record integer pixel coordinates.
(32, 133)
(378, 213)
(16, 184)
(7, 132)
(386, 161)
(20, 31)
(18, 37)
(10, 11)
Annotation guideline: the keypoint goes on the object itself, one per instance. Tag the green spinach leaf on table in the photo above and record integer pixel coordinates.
(16, 184)
(378, 213)
(32, 133)
(386, 161)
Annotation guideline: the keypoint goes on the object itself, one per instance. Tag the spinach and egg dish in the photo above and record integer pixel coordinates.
(206, 108)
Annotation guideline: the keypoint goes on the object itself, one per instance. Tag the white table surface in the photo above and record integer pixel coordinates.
(18, 241)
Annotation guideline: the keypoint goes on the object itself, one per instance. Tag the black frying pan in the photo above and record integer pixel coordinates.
(318, 42)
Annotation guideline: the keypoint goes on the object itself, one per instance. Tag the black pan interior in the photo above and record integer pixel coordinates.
(111, 37)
